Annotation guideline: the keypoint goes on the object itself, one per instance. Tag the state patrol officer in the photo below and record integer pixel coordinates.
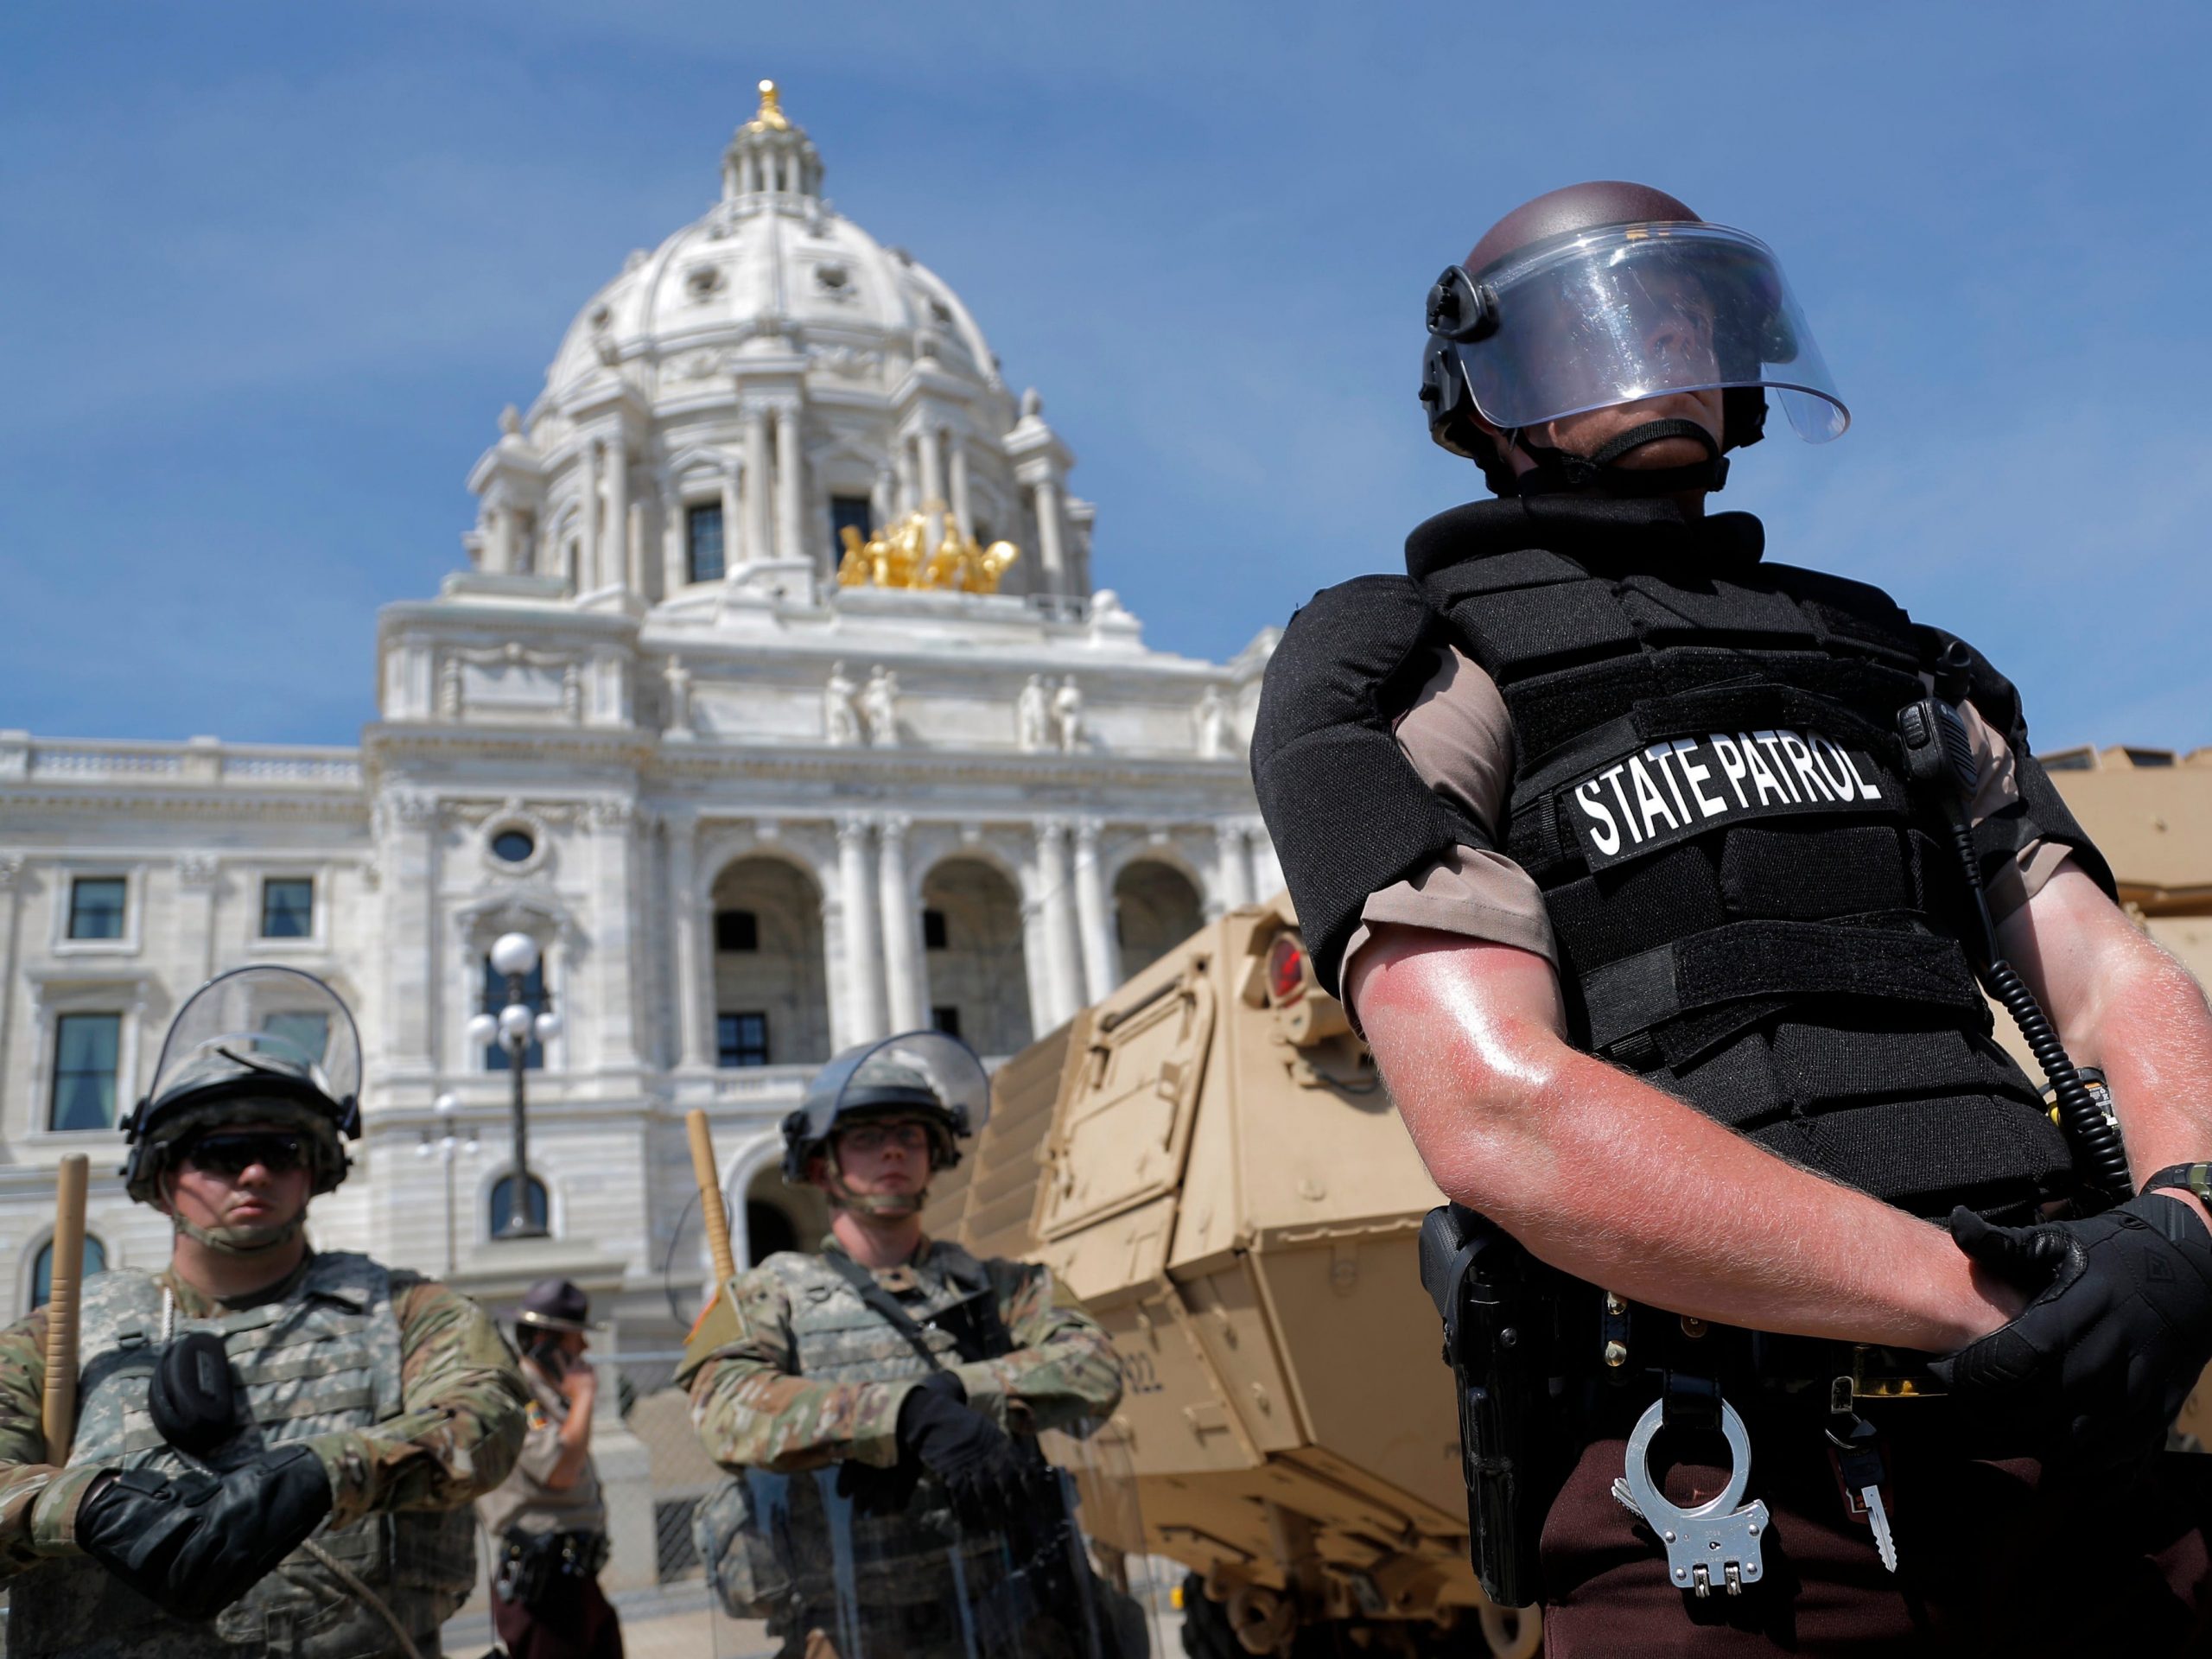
(909, 1375)
(276, 1447)
(547, 1520)
(1658, 883)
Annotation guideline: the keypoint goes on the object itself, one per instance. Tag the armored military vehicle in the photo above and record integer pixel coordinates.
(1208, 1159)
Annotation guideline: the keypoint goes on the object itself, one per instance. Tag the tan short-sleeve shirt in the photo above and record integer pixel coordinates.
(1457, 735)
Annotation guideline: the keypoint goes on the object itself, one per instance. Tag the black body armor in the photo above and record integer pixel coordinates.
(1708, 791)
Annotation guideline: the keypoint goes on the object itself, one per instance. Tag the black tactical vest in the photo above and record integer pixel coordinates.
(1708, 790)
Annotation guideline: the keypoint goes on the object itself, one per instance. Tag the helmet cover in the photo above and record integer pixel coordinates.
(261, 1045)
(924, 1074)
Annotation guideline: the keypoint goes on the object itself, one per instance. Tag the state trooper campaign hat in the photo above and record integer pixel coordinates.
(1612, 293)
(554, 1305)
(263, 1044)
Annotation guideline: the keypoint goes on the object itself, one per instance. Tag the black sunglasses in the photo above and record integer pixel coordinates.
(233, 1154)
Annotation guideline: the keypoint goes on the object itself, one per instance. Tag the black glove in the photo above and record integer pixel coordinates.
(2091, 1372)
(193, 1396)
(194, 1544)
(965, 1450)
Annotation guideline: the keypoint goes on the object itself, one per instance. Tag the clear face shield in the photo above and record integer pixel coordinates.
(280, 1022)
(852, 1562)
(1595, 319)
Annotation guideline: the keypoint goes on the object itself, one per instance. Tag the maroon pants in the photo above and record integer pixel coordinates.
(1990, 1559)
(571, 1620)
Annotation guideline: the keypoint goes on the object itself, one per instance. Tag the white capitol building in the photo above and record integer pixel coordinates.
(754, 796)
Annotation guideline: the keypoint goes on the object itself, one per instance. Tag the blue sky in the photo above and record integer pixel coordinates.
(268, 272)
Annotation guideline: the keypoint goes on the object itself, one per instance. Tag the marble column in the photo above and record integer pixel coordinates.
(615, 934)
(675, 531)
(790, 526)
(757, 521)
(1266, 869)
(1232, 870)
(859, 900)
(909, 488)
(1063, 958)
(730, 528)
(503, 539)
(1093, 919)
(932, 448)
(1051, 553)
(408, 852)
(588, 565)
(963, 519)
(689, 936)
(905, 985)
(615, 566)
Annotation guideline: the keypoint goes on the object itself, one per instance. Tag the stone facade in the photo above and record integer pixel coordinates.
(750, 814)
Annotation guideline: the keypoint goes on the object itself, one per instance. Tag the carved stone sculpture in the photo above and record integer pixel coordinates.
(879, 702)
(841, 713)
(1216, 737)
(1032, 716)
(1067, 716)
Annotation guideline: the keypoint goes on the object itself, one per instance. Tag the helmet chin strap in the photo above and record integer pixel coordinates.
(241, 1240)
(1558, 471)
(883, 1206)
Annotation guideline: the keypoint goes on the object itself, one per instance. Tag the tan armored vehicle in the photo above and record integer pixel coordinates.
(1208, 1159)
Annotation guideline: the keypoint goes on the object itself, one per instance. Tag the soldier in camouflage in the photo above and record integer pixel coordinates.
(878, 1403)
(276, 1447)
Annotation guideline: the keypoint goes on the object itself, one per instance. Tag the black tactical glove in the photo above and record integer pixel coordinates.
(2093, 1370)
(193, 1396)
(965, 1450)
(195, 1544)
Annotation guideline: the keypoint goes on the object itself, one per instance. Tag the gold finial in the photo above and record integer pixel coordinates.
(771, 114)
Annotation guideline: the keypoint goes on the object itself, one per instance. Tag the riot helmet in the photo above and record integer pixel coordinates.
(263, 1044)
(926, 1075)
(1606, 294)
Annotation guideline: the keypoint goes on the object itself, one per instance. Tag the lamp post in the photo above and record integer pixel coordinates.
(515, 957)
(446, 1146)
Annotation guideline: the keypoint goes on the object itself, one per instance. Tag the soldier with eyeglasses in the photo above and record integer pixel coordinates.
(276, 1447)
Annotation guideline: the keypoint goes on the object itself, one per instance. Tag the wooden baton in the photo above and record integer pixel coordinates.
(58, 1391)
(710, 1197)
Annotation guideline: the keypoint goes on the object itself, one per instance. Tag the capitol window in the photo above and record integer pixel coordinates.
(85, 1047)
(854, 513)
(96, 907)
(513, 846)
(702, 526)
(737, 929)
(933, 938)
(503, 1203)
(495, 998)
(42, 1268)
(287, 907)
(740, 1039)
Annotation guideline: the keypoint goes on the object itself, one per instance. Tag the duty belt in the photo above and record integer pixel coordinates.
(530, 1563)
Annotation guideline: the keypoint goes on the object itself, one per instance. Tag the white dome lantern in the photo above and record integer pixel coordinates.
(719, 413)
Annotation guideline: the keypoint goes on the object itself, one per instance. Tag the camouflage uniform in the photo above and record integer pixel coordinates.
(791, 1371)
(405, 1391)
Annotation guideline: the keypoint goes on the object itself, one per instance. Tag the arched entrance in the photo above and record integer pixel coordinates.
(771, 993)
(1155, 909)
(971, 935)
(780, 1217)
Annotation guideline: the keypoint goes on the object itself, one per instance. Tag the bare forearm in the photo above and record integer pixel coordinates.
(1616, 1183)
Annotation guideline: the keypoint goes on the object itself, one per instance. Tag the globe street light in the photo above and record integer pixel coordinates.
(515, 957)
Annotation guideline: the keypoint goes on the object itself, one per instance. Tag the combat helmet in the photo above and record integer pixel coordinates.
(1610, 293)
(261, 1045)
(919, 1074)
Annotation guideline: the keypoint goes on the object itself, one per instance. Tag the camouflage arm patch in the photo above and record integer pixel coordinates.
(460, 1421)
(1062, 1369)
(753, 1410)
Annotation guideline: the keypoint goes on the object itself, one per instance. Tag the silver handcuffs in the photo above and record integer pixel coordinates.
(1717, 1542)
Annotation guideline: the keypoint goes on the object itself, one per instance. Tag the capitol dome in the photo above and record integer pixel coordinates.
(768, 377)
